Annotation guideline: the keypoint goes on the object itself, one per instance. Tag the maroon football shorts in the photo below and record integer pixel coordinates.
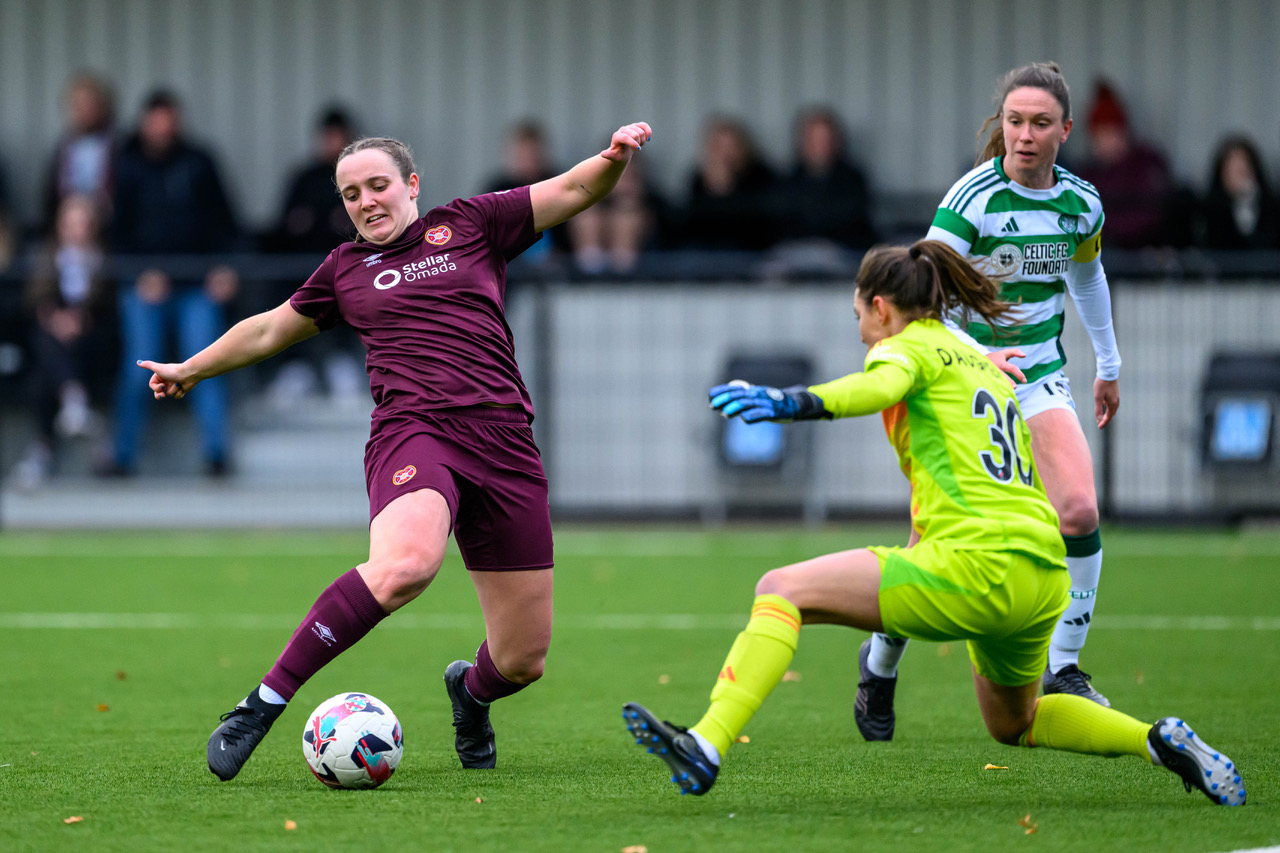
(484, 461)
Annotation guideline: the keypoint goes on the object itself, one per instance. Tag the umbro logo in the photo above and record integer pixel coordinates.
(373, 259)
(1010, 227)
(323, 632)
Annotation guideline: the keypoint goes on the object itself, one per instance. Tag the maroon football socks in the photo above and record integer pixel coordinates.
(484, 682)
(343, 613)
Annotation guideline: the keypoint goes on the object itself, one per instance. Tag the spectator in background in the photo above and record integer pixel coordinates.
(1131, 177)
(526, 162)
(83, 158)
(1239, 211)
(610, 236)
(730, 203)
(71, 336)
(826, 195)
(169, 200)
(314, 221)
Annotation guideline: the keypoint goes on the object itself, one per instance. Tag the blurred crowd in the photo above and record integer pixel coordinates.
(151, 192)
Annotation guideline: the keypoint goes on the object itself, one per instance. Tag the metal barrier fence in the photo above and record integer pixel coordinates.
(626, 428)
(619, 373)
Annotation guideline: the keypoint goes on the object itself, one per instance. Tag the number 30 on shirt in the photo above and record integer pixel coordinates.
(1006, 460)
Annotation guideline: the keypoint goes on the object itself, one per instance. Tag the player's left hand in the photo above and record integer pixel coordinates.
(168, 380)
(626, 141)
(1106, 400)
(1000, 358)
(753, 403)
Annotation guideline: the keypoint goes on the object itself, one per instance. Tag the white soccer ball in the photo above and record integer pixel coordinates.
(353, 740)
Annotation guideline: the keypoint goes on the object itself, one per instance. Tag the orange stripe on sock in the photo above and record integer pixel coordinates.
(764, 605)
(775, 609)
(782, 616)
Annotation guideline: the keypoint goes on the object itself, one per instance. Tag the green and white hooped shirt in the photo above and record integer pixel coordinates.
(1039, 244)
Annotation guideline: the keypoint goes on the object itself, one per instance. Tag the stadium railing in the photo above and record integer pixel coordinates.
(619, 366)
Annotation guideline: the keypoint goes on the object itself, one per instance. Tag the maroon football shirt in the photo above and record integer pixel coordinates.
(429, 307)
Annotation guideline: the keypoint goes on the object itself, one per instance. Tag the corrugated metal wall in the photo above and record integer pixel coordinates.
(624, 426)
(630, 429)
(912, 77)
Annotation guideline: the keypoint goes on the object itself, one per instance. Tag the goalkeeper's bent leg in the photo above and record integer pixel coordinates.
(756, 663)
(1075, 724)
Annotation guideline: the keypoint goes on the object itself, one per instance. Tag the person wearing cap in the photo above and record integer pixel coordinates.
(1131, 176)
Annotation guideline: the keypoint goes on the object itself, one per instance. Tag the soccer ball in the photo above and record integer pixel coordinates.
(352, 740)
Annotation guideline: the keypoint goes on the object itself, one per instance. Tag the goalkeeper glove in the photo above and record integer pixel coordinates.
(755, 403)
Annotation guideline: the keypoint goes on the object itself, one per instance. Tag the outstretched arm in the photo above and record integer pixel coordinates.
(564, 196)
(851, 396)
(247, 342)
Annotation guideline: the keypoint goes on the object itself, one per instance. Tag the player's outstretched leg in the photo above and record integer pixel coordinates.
(242, 729)
(1075, 724)
(473, 735)
(341, 616)
(691, 769)
(873, 706)
(1201, 766)
(755, 665)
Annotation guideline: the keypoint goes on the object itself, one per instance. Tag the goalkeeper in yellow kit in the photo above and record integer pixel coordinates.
(985, 563)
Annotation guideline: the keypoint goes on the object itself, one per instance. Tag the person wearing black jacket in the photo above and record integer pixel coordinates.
(826, 195)
(1240, 211)
(169, 200)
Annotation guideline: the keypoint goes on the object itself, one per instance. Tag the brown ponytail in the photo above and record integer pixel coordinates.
(929, 279)
(1037, 75)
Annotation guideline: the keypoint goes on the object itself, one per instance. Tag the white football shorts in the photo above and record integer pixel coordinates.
(1051, 391)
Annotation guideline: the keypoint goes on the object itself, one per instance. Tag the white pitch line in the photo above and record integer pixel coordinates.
(583, 622)
(669, 545)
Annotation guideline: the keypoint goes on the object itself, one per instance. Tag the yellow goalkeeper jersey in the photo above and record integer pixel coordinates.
(954, 421)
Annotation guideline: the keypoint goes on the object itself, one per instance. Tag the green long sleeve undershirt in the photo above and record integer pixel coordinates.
(864, 393)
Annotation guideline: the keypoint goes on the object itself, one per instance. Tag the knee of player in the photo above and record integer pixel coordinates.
(1078, 514)
(1008, 732)
(406, 576)
(785, 583)
(773, 583)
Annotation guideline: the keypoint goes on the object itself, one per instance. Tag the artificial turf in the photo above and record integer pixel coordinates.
(119, 651)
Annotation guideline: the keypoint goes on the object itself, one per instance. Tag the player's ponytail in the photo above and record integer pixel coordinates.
(1037, 75)
(929, 279)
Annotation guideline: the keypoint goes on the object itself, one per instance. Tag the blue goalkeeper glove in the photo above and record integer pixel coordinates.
(754, 403)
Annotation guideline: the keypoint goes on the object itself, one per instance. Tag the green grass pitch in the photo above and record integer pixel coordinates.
(118, 652)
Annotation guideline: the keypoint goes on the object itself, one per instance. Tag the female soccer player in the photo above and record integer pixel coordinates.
(985, 563)
(1037, 228)
(450, 447)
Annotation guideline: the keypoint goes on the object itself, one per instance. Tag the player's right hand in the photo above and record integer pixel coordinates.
(167, 380)
(626, 141)
(752, 403)
(1001, 359)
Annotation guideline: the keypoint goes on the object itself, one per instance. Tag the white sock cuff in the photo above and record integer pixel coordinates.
(707, 747)
(884, 655)
(266, 694)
